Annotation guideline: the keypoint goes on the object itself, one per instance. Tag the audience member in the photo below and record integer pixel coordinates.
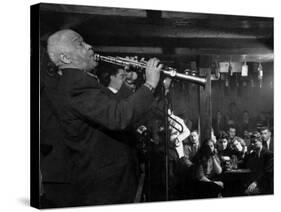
(222, 144)
(231, 133)
(251, 146)
(224, 151)
(260, 162)
(206, 167)
(239, 150)
(266, 138)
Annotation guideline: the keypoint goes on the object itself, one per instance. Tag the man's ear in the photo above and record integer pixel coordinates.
(52, 57)
(65, 59)
(111, 77)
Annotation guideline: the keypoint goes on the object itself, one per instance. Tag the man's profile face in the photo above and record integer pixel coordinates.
(265, 134)
(117, 80)
(82, 52)
(72, 51)
(194, 137)
(232, 132)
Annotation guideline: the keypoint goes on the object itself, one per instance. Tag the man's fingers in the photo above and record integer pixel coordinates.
(153, 62)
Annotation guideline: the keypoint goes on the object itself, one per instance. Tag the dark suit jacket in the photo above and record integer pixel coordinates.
(271, 145)
(100, 170)
(262, 170)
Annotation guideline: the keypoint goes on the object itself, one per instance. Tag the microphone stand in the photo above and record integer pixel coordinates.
(167, 137)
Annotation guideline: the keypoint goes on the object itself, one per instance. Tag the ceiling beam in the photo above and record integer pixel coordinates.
(152, 30)
(80, 9)
(195, 43)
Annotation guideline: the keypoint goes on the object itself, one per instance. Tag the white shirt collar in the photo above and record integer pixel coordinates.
(112, 89)
(268, 143)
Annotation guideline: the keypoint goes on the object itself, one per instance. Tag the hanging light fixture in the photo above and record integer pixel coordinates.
(244, 72)
(260, 74)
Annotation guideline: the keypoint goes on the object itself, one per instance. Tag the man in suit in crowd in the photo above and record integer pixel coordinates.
(100, 170)
(231, 133)
(267, 139)
(260, 162)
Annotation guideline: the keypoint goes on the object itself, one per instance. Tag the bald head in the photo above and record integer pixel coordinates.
(67, 49)
(58, 43)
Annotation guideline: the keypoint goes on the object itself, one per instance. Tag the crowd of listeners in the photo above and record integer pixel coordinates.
(239, 154)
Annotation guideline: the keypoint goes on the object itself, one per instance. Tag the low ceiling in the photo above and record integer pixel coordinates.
(173, 34)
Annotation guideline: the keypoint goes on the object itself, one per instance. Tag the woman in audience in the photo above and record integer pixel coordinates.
(239, 147)
(206, 167)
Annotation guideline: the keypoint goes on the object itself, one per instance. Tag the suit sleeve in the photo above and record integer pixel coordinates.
(97, 107)
(124, 92)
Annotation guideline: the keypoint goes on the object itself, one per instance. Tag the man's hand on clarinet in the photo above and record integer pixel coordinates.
(152, 72)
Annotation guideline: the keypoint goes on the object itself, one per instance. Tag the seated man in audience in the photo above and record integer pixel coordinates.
(224, 151)
(190, 147)
(222, 144)
(251, 145)
(266, 138)
(231, 133)
(260, 162)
